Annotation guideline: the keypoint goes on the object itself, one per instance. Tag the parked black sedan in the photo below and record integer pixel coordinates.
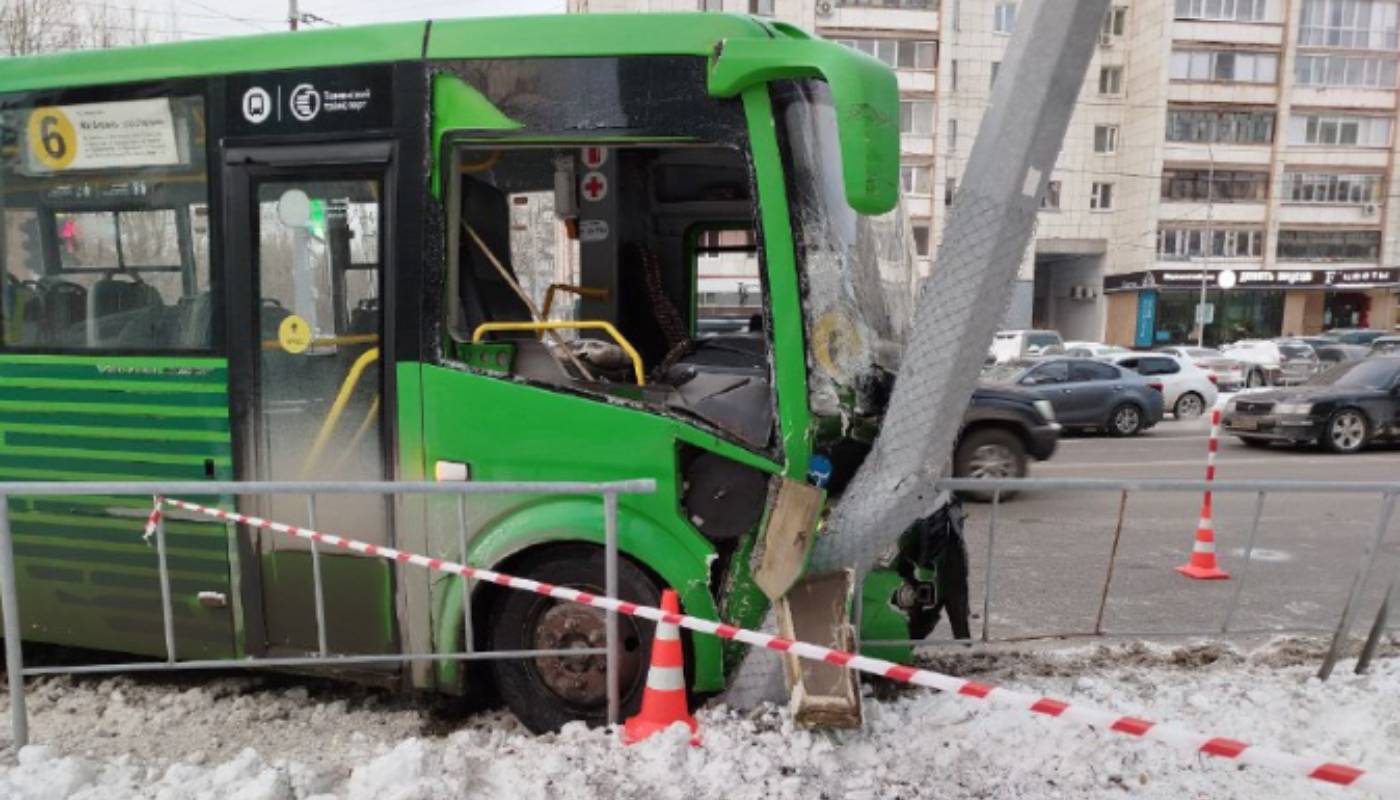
(1342, 409)
(1086, 393)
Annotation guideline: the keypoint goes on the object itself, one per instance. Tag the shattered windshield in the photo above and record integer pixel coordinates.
(856, 271)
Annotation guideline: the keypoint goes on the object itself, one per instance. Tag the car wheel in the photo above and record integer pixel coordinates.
(1253, 441)
(992, 454)
(1255, 380)
(1125, 420)
(547, 692)
(1346, 431)
(1189, 406)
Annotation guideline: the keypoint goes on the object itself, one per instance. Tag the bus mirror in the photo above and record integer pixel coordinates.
(863, 89)
(294, 208)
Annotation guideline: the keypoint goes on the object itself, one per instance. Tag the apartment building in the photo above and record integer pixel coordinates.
(1247, 145)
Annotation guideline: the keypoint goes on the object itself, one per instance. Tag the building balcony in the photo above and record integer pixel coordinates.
(1243, 155)
(917, 80)
(1365, 158)
(885, 15)
(913, 144)
(918, 205)
(1222, 93)
(1344, 97)
(1197, 212)
(1255, 33)
(1314, 214)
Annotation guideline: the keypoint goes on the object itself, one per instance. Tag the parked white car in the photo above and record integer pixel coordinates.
(1013, 345)
(1093, 349)
(1187, 390)
(1274, 362)
(1230, 373)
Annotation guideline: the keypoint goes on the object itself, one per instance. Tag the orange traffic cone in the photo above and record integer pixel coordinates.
(664, 701)
(1202, 565)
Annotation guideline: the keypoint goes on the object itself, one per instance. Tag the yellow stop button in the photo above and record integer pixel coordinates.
(294, 334)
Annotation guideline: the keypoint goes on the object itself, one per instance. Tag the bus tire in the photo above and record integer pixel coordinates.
(546, 693)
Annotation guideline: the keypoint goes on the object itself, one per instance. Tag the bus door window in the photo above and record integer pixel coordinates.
(580, 265)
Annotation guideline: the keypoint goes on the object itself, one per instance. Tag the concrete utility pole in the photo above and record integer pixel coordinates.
(959, 307)
(963, 300)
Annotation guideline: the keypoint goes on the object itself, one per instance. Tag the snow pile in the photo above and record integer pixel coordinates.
(237, 738)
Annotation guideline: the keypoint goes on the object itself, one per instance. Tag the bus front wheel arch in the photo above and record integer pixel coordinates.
(547, 692)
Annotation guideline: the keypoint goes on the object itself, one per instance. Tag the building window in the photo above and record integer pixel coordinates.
(921, 237)
(1224, 10)
(1114, 22)
(711, 5)
(897, 53)
(1224, 65)
(1105, 138)
(1220, 127)
(1050, 201)
(950, 190)
(916, 178)
(1004, 19)
(1329, 245)
(1101, 196)
(1222, 186)
(763, 8)
(1110, 80)
(952, 135)
(916, 117)
(996, 67)
(1345, 130)
(1332, 188)
(1176, 243)
(1334, 69)
(952, 75)
(1356, 24)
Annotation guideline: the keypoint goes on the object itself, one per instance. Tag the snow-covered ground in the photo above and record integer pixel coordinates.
(275, 738)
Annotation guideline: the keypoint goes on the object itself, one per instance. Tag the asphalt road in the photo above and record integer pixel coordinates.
(1050, 557)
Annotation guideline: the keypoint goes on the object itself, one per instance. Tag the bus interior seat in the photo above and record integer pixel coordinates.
(485, 296)
(125, 313)
(65, 312)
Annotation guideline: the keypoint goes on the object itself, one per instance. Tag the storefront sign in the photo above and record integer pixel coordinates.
(1363, 278)
(134, 133)
(1146, 318)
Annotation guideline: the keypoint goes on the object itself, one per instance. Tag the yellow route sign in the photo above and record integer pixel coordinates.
(294, 334)
(52, 139)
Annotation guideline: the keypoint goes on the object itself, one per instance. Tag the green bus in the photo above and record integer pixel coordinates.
(463, 250)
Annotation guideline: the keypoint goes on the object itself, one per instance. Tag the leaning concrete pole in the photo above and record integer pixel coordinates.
(962, 302)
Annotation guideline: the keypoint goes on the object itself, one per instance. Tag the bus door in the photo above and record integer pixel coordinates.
(309, 231)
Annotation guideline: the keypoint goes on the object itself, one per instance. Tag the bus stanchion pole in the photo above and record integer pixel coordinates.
(14, 654)
(610, 587)
(166, 610)
(468, 635)
(316, 578)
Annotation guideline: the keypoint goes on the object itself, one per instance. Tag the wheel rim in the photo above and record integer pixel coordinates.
(992, 461)
(581, 681)
(1126, 420)
(1190, 406)
(1348, 431)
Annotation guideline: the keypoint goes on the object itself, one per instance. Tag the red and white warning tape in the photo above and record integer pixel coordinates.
(1237, 751)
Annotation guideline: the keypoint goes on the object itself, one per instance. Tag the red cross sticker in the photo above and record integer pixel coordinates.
(594, 156)
(595, 186)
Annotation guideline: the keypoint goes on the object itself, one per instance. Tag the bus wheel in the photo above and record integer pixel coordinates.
(549, 691)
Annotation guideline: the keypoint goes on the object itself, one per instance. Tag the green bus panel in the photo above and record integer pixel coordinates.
(86, 577)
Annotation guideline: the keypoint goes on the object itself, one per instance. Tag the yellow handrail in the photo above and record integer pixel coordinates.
(342, 399)
(581, 291)
(591, 325)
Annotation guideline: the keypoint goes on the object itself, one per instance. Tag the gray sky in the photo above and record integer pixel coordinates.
(195, 18)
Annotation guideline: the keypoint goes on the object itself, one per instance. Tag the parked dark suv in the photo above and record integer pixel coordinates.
(1004, 427)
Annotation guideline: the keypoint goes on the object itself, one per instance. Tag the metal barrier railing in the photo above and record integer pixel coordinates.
(9, 595)
(1385, 491)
